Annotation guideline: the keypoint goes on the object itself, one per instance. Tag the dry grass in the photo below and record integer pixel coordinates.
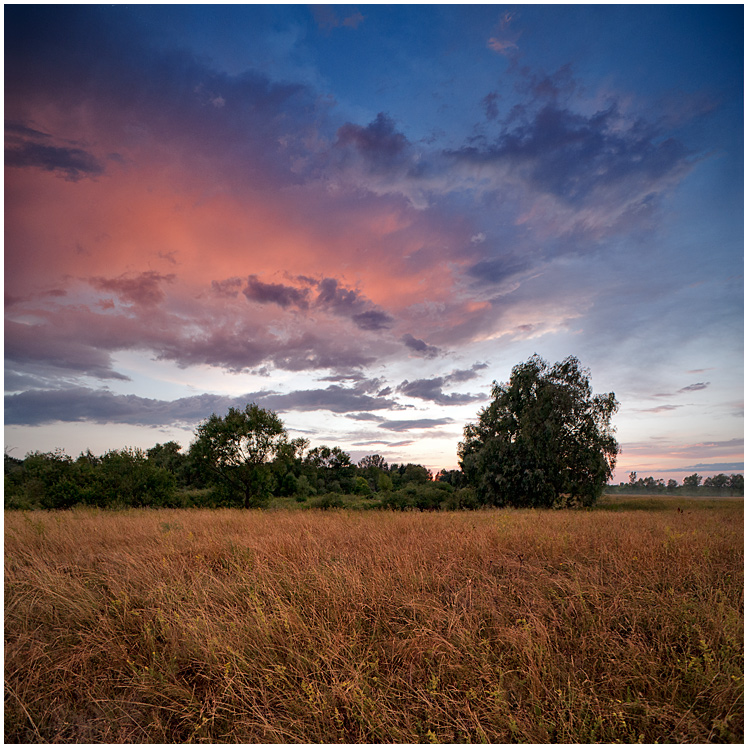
(500, 626)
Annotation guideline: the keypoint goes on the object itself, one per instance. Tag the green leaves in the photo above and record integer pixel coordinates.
(238, 446)
(544, 436)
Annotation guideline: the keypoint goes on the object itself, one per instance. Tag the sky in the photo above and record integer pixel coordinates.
(361, 216)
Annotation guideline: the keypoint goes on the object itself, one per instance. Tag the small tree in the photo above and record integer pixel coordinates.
(544, 436)
(238, 447)
(735, 484)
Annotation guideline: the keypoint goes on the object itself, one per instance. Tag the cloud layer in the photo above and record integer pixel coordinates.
(299, 196)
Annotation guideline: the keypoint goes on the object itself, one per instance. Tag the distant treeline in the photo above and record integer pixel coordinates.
(164, 476)
(693, 485)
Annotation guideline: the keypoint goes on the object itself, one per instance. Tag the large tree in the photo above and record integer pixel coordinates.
(544, 437)
(238, 446)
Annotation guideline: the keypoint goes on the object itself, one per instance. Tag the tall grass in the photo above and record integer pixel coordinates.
(251, 626)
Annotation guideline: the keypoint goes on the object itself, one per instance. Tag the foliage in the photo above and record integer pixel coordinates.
(717, 485)
(237, 448)
(544, 437)
(128, 478)
(124, 477)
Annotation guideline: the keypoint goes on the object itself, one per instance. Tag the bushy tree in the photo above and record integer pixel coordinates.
(543, 437)
(238, 447)
(330, 469)
(374, 469)
(127, 477)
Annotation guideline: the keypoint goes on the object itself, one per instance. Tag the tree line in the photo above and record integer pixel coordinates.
(693, 485)
(544, 440)
(167, 476)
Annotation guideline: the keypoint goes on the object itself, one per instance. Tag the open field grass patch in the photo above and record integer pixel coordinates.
(237, 626)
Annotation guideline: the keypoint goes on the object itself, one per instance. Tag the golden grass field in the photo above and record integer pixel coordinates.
(622, 624)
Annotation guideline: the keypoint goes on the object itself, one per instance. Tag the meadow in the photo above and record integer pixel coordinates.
(619, 624)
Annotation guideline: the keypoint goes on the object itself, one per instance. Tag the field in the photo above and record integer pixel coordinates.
(621, 624)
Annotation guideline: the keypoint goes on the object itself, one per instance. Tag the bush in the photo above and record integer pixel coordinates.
(423, 496)
(328, 501)
(119, 478)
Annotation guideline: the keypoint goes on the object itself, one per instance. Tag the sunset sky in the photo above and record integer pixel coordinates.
(361, 216)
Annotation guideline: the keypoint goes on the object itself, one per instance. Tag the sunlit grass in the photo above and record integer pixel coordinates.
(251, 626)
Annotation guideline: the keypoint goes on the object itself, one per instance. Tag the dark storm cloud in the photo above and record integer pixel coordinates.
(276, 293)
(143, 289)
(419, 346)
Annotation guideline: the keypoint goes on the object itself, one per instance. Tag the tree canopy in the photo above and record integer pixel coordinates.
(544, 438)
(238, 446)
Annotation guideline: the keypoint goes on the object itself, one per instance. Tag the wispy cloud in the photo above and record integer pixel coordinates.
(71, 163)
(142, 289)
(327, 19)
(695, 387)
(419, 423)
(506, 37)
(707, 467)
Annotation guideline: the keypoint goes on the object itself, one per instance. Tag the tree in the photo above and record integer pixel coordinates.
(238, 447)
(692, 481)
(543, 437)
(373, 461)
(127, 477)
(330, 469)
(735, 484)
(374, 469)
(717, 481)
